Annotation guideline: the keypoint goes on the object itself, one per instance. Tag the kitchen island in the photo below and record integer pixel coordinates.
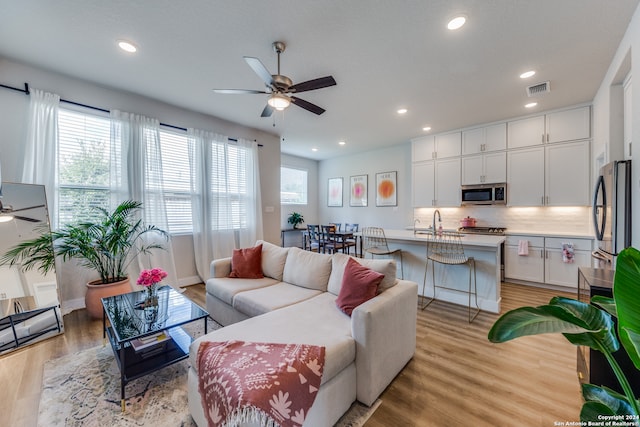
(485, 249)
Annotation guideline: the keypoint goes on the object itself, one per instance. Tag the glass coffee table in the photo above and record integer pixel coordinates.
(147, 339)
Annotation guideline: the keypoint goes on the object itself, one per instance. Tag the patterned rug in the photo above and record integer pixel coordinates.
(83, 389)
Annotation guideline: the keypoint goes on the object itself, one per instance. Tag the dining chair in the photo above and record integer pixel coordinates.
(375, 243)
(332, 242)
(351, 241)
(315, 238)
(338, 225)
(446, 248)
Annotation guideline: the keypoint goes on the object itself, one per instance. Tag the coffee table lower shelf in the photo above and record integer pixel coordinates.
(135, 364)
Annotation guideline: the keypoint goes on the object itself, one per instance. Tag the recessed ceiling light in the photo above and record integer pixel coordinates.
(127, 46)
(314, 149)
(402, 111)
(456, 22)
(426, 128)
(527, 74)
(342, 143)
(530, 105)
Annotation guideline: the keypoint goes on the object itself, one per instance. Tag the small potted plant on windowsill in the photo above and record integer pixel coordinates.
(295, 218)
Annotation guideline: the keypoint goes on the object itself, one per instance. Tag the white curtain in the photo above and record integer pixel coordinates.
(41, 145)
(136, 174)
(226, 203)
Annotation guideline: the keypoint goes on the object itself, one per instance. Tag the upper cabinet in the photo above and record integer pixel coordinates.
(436, 147)
(484, 139)
(560, 126)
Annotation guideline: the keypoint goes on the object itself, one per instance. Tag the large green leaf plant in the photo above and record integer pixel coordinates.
(588, 325)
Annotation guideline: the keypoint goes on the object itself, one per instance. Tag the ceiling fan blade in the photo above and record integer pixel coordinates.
(314, 84)
(24, 218)
(307, 105)
(238, 91)
(267, 112)
(258, 67)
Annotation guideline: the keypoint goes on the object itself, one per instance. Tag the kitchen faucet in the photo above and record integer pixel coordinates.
(433, 230)
(417, 220)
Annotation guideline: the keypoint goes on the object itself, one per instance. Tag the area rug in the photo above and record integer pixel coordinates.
(83, 389)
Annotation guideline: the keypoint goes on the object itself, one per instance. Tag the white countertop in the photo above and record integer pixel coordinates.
(467, 239)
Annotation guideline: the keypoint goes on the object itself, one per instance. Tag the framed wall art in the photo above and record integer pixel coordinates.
(334, 192)
(386, 189)
(358, 190)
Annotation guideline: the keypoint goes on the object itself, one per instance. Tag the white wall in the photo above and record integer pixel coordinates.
(607, 133)
(13, 111)
(310, 210)
(394, 158)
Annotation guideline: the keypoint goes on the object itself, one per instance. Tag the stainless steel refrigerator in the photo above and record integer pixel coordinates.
(612, 209)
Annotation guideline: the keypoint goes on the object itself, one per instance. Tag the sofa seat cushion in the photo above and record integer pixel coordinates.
(308, 269)
(316, 321)
(260, 301)
(225, 288)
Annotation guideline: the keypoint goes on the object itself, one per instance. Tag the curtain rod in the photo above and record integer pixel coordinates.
(91, 107)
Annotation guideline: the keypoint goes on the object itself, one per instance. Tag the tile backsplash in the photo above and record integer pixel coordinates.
(560, 220)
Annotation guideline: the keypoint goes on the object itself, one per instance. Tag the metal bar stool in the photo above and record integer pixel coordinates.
(446, 248)
(375, 242)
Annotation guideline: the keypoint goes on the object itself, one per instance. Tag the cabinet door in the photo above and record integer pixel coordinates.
(472, 169)
(525, 177)
(473, 141)
(560, 273)
(569, 125)
(422, 184)
(447, 178)
(448, 145)
(529, 268)
(422, 148)
(495, 137)
(495, 167)
(627, 117)
(567, 174)
(525, 132)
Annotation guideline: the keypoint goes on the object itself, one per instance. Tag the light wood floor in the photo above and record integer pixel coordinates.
(456, 378)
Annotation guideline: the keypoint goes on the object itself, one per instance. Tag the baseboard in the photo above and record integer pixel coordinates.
(190, 280)
(71, 305)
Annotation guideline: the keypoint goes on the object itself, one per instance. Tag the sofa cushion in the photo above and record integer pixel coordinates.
(273, 259)
(247, 263)
(225, 288)
(315, 321)
(260, 301)
(381, 265)
(307, 269)
(359, 284)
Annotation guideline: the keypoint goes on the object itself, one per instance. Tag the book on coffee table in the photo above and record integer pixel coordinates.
(150, 341)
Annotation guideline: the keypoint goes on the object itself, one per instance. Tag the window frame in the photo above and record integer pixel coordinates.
(306, 182)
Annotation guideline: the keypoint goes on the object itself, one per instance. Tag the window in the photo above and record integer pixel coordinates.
(176, 175)
(293, 186)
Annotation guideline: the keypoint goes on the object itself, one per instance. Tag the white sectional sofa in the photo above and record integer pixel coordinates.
(296, 303)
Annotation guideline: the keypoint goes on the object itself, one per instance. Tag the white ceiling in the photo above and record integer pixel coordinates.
(383, 54)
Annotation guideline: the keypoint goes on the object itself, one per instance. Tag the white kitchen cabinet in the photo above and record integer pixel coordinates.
(436, 183)
(545, 263)
(525, 177)
(553, 175)
(529, 267)
(484, 168)
(423, 184)
(567, 174)
(560, 126)
(423, 148)
(448, 145)
(484, 139)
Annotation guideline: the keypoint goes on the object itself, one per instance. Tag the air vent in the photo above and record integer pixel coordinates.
(538, 89)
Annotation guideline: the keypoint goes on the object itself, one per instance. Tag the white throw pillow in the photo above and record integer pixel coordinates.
(273, 259)
(386, 266)
(307, 269)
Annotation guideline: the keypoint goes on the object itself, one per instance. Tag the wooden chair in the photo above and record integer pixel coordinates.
(446, 248)
(375, 243)
(338, 225)
(351, 242)
(331, 242)
(315, 238)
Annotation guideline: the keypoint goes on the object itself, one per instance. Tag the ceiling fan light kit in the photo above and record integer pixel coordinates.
(280, 88)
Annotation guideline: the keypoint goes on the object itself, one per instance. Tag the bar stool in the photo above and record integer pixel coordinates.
(375, 242)
(446, 248)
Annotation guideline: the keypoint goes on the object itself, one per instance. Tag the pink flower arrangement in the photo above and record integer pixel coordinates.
(151, 277)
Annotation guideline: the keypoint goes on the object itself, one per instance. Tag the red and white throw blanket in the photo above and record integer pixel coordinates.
(274, 384)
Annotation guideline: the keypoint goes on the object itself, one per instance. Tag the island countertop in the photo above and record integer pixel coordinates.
(423, 236)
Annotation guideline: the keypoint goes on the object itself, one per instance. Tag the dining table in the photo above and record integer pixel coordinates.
(341, 237)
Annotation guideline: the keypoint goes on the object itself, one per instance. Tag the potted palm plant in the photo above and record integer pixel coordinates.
(107, 245)
(587, 325)
(295, 218)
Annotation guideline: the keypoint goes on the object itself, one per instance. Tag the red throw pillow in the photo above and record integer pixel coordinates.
(359, 284)
(247, 263)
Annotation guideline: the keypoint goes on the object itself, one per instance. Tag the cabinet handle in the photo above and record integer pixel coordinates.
(547, 137)
(546, 254)
(542, 138)
(542, 200)
(541, 253)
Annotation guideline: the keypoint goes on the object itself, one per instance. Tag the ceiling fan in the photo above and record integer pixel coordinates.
(7, 213)
(280, 87)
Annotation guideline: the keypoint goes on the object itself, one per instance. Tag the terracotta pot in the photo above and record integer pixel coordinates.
(97, 290)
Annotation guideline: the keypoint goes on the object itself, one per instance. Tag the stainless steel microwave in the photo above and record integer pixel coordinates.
(484, 194)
